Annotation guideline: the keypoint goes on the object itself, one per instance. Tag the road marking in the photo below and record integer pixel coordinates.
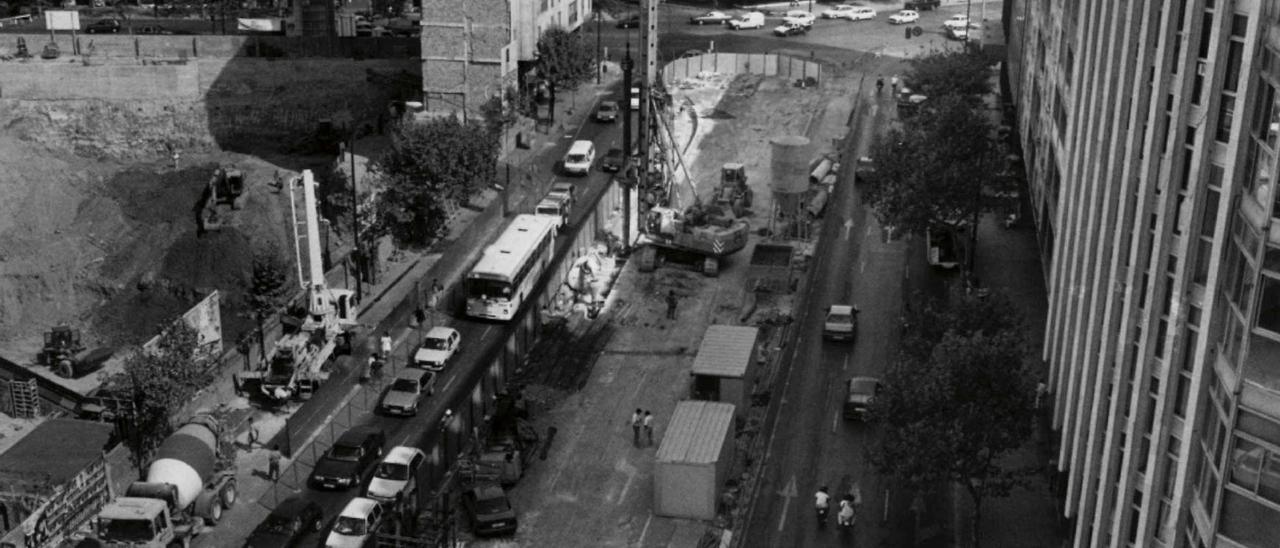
(862, 265)
(848, 225)
(645, 531)
(845, 368)
(448, 384)
(835, 421)
(789, 492)
(867, 233)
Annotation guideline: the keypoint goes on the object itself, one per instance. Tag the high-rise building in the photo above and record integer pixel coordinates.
(1149, 131)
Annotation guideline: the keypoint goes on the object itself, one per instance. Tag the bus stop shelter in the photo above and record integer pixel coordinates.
(723, 364)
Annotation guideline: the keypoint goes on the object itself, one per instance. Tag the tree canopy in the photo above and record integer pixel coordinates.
(934, 170)
(951, 72)
(565, 60)
(159, 382)
(953, 411)
(431, 165)
(268, 287)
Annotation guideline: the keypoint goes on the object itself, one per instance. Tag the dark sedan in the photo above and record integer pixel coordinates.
(293, 520)
(613, 160)
(104, 26)
(490, 510)
(349, 460)
(711, 18)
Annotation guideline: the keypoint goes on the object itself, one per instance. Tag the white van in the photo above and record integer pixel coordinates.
(580, 157)
(749, 20)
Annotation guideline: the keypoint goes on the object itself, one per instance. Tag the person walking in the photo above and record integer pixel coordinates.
(273, 463)
(252, 434)
(433, 298)
(384, 345)
(648, 427)
(635, 427)
(671, 304)
(893, 83)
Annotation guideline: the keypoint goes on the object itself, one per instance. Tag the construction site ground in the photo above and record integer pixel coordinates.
(595, 487)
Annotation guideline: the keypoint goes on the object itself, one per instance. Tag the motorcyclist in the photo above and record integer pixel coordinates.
(821, 502)
(879, 85)
(845, 517)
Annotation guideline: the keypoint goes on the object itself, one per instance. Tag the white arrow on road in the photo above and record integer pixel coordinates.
(789, 492)
(848, 225)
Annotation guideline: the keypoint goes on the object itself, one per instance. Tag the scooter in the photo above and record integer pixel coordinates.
(822, 516)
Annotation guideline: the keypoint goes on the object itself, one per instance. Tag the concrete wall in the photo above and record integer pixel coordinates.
(768, 64)
(109, 47)
(49, 81)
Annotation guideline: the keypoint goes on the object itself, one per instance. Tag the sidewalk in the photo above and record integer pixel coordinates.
(393, 293)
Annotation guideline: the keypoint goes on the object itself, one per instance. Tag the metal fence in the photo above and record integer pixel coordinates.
(768, 64)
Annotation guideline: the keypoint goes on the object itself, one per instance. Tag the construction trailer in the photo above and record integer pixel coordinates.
(693, 460)
(722, 368)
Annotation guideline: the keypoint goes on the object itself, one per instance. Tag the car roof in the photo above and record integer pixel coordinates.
(841, 309)
(613, 104)
(562, 185)
(291, 507)
(865, 385)
(401, 454)
(359, 507)
(356, 435)
(580, 146)
(440, 332)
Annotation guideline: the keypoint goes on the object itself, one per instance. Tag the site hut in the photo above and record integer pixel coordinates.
(723, 364)
(54, 479)
(693, 460)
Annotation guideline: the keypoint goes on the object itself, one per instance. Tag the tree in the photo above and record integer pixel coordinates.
(929, 320)
(430, 165)
(951, 72)
(952, 417)
(268, 288)
(565, 60)
(934, 172)
(159, 381)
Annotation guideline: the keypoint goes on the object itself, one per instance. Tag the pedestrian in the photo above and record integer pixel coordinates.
(893, 83)
(648, 427)
(433, 299)
(635, 427)
(879, 85)
(671, 304)
(384, 344)
(273, 463)
(253, 433)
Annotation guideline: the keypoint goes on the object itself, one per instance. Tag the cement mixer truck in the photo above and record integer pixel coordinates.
(188, 485)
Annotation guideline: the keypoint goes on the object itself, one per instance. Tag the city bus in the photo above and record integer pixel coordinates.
(508, 269)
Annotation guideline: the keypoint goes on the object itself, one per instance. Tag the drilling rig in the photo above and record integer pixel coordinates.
(697, 233)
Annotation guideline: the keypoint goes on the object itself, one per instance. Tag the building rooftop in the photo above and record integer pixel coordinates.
(696, 432)
(725, 351)
(57, 450)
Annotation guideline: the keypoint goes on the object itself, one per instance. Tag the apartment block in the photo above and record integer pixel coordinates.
(1149, 132)
(473, 49)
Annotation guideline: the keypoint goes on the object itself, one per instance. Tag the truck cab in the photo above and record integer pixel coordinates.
(133, 521)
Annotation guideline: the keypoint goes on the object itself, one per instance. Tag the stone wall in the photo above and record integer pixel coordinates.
(98, 47)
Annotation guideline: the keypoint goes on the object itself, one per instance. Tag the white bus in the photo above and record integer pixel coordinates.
(508, 269)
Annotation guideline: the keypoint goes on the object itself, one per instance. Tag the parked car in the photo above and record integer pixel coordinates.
(958, 20)
(852, 13)
(859, 394)
(789, 29)
(288, 525)
(407, 390)
(104, 26)
(356, 524)
(750, 20)
(921, 5)
(607, 111)
(350, 459)
(613, 160)
(802, 17)
(957, 33)
(556, 207)
(438, 347)
(490, 510)
(903, 17)
(841, 322)
(631, 21)
(711, 18)
(151, 29)
(566, 189)
(691, 53)
(396, 478)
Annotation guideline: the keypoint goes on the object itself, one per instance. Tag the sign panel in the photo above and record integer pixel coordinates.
(62, 19)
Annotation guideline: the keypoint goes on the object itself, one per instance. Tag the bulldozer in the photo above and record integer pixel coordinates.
(65, 354)
(224, 194)
(733, 192)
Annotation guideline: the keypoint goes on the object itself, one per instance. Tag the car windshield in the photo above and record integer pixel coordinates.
(491, 506)
(125, 530)
(863, 387)
(548, 210)
(392, 471)
(435, 344)
(577, 158)
(347, 525)
(404, 385)
(344, 452)
(840, 318)
(608, 107)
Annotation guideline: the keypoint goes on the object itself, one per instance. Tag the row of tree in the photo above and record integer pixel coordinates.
(961, 395)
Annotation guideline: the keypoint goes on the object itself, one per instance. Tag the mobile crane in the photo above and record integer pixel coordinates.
(296, 367)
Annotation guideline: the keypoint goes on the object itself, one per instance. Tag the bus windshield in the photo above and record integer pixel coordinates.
(488, 289)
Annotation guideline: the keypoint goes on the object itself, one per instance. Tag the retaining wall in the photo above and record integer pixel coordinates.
(117, 46)
(768, 64)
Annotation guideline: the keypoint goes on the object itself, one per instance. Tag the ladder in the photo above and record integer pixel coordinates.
(25, 396)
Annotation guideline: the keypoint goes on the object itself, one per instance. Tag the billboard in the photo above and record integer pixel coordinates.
(62, 19)
(206, 319)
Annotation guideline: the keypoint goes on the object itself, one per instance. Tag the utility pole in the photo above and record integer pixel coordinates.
(629, 182)
(599, 61)
(968, 5)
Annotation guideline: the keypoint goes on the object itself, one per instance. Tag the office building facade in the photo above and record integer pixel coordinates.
(1150, 133)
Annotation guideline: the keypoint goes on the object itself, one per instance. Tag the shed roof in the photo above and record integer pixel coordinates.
(57, 449)
(725, 351)
(696, 432)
